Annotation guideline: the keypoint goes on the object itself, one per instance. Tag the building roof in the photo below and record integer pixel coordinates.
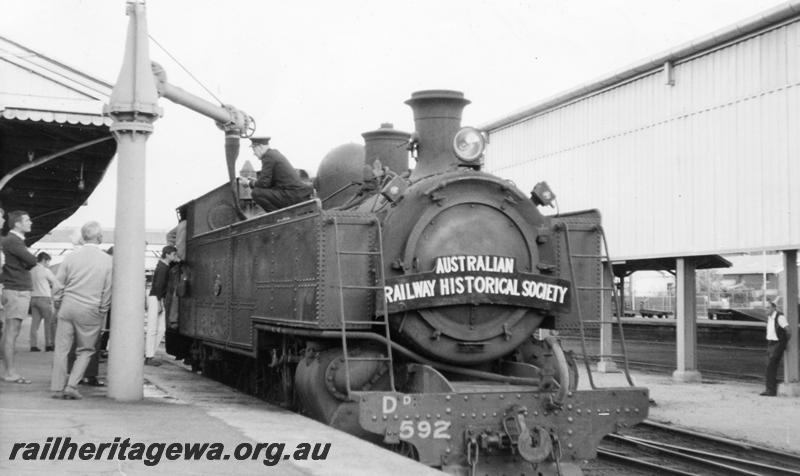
(754, 264)
(626, 267)
(728, 265)
(718, 39)
(55, 143)
(35, 87)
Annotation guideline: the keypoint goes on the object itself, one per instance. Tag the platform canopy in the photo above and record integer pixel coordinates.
(49, 108)
(625, 268)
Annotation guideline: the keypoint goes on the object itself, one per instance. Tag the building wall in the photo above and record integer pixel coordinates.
(709, 164)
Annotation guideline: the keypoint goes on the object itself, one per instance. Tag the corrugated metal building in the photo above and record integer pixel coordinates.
(689, 154)
(695, 151)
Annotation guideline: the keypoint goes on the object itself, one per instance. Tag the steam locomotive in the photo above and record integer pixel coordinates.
(404, 305)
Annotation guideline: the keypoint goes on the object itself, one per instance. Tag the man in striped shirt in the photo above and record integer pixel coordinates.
(17, 286)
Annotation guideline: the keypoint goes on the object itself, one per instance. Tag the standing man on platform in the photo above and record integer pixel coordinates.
(85, 296)
(278, 184)
(17, 286)
(156, 325)
(44, 281)
(777, 338)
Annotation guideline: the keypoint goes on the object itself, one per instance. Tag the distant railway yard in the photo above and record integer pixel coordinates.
(725, 349)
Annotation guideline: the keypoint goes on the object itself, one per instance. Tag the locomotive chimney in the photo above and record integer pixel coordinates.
(437, 118)
(388, 145)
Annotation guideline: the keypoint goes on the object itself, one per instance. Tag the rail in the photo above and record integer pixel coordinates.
(676, 450)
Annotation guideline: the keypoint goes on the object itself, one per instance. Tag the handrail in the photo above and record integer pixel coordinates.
(618, 301)
(342, 315)
(565, 227)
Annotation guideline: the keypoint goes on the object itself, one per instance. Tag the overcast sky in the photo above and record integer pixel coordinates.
(316, 74)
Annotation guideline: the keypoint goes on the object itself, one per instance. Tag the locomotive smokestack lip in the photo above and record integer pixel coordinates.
(437, 119)
(438, 94)
(387, 144)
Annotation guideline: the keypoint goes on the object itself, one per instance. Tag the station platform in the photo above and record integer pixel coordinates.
(179, 407)
(187, 408)
(731, 409)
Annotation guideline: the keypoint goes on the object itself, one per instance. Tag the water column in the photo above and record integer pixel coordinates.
(133, 107)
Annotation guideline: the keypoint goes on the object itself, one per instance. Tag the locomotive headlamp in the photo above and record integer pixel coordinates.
(469, 144)
(542, 195)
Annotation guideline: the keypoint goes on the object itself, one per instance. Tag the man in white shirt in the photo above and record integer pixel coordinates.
(777, 338)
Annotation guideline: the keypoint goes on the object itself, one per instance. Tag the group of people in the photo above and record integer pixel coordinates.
(79, 293)
(74, 302)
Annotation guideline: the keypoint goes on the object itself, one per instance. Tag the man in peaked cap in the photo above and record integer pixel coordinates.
(278, 184)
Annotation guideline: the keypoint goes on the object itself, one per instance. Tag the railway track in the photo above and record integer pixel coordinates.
(714, 361)
(668, 368)
(655, 448)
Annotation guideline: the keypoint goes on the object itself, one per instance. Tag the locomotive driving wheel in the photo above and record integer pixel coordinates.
(274, 376)
(404, 448)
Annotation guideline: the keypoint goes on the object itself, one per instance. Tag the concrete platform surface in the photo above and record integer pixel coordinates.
(731, 409)
(183, 407)
(179, 407)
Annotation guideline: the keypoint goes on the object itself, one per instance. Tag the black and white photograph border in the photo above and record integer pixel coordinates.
(478, 236)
